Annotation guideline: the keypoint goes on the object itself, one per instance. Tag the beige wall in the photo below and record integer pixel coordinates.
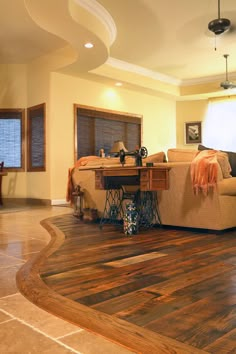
(188, 111)
(33, 86)
(38, 91)
(13, 88)
(158, 120)
(24, 87)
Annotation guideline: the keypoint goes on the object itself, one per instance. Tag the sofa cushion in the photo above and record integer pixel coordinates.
(158, 157)
(82, 161)
(227, 186)
(101, 161)
(181, 155)
(231, 155)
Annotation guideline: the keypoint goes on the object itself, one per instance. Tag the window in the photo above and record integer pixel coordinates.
(36, 138)
(96, 128)
(12, 139)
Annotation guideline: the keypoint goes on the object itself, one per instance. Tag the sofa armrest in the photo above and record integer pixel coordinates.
(227, 186)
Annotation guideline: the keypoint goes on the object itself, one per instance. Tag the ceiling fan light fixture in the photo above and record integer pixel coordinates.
(227, 85)
(219, 25)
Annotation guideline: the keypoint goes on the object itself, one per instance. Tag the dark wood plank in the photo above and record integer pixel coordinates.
(161, 291)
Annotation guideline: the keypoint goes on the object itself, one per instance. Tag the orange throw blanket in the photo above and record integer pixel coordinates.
(81, 162)
(204, 169)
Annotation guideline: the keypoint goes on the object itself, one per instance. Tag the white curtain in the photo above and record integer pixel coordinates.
(219, 127)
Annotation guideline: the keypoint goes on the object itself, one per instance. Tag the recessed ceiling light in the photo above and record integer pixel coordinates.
(118, 84)
(88, 45)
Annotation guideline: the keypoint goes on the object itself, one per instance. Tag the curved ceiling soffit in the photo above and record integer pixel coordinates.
(77, 22)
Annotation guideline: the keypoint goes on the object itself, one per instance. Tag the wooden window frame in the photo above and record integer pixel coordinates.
(30, 116)
(20, 111)
(95, 112)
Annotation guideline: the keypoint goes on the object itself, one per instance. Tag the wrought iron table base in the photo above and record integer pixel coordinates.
(146, 203)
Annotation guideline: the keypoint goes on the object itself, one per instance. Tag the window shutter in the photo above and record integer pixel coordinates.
(36, 138)
(97, 129)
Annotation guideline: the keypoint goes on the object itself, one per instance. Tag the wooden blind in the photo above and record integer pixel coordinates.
(36, 138)
(96, 129)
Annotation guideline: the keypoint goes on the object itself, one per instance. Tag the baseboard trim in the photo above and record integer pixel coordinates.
(26, 201)
(34, 201)
(59, 202)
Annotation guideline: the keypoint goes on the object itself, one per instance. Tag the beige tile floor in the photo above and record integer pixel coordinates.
(25, 328)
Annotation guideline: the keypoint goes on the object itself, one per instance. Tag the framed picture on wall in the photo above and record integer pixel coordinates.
(193, 132)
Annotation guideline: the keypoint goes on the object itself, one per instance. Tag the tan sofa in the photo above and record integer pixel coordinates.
(178, 206)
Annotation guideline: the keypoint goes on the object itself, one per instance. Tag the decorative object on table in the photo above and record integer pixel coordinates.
(193, 132)
(78, 196)
(101, 153)
(130, 219)
(117, 147)
(139, 154)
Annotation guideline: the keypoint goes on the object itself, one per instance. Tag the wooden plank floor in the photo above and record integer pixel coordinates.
(161, 291)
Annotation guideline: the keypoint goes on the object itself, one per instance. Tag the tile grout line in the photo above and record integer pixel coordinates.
(10, 256)
(13, 265)
(70, 333)
(41, 332)
(11, 295)
(6, 321)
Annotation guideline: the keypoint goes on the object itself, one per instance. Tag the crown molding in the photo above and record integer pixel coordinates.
(206, 79)
(122, 65)
(102, 15)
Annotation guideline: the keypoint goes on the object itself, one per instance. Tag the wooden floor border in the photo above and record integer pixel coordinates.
(130, 336)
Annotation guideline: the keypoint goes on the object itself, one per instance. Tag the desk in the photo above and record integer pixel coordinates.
(3, 173)
(148, 181)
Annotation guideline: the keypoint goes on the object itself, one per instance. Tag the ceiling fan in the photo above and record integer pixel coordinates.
(219, 25)
(227, 84)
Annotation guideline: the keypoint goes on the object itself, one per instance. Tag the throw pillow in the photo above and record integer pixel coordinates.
(223, 161)
(202, 147)
(231, 155)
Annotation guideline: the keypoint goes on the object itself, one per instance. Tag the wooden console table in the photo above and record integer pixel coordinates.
(147, 178)
(148, 181)
(2, 173)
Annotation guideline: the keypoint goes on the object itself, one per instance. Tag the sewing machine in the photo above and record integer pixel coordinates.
(139, 154)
